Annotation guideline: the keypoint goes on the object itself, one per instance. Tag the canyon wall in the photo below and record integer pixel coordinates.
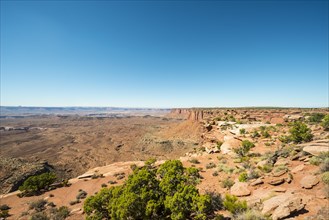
(272, 115)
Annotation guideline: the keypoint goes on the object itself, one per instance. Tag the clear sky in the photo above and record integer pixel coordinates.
(164, 53)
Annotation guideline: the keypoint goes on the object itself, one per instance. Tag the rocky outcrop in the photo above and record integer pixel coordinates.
(283, 205)
(316, 147)
(14, 171)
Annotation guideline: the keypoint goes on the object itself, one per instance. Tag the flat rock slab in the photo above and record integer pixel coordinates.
(279, 173)
(240, 189)
(309, 181)
(316, 147)
(298, 168)
(275, 182)
(257, 182)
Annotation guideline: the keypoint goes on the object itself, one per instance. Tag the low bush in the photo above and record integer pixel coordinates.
(74, 202)
(39, 216)
(325, 177)
(194, 160)
(250, 215)
(243, 177)
(242, 131)
(324, 166)
(4, 207)
(216, 200)
(60, 213)
(266, 168)
(325, 122)
(233, 205)
(227, 183)
(299, 132)
(4, 214)
(210, 165)
(219, 144)
(38, 205)
(82, 194)
(36, 183)
(244, 149)
(316, 117)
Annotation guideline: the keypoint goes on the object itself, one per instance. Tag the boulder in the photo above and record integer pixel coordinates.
(309, 181)
(240, 189)
(283, 205)
(288, 207)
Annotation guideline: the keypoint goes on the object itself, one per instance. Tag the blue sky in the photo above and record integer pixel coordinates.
(164, 53)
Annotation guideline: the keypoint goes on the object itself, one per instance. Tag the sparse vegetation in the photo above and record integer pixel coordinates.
(242, 131)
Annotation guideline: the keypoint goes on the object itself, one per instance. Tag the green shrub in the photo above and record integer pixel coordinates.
(36, 183)
(168, 191)
(219, 144)
(316, 117)
(4, 214)
(325, 177)
(266, 168)
(325, 122)
(233, 205)
(227, 183)
(243, 177)
(265, 134)
(244, 149)
(255, 134)
(4, 207)
(299, 132)
(242, 131)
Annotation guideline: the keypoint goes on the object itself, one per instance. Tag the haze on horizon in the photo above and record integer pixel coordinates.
(164, 54)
